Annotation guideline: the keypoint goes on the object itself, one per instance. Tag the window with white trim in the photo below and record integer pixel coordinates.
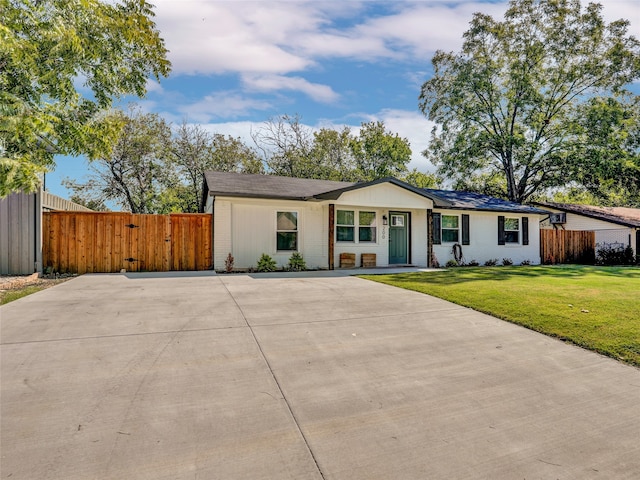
(346, 226)
(287, 231)
(512, 230)
(450, 228)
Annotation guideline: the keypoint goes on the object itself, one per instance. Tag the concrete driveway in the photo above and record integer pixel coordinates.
(197, 376)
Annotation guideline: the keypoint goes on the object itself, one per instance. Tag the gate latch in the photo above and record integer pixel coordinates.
(131, 225)
(131, 259)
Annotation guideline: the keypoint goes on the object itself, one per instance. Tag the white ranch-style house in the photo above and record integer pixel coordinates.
(387, 219)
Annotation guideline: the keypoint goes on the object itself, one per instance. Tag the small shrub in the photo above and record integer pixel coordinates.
(491, 262)
(296, 263)
(228, 263)
(266, 264)
(507, 261)
(525, 263)
(451, 263)
(473, 263)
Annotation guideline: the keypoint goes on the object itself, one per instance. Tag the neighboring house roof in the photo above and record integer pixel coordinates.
(477, 201)
(629, 217)
(288, 188)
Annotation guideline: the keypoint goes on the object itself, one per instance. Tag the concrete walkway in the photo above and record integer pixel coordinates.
(198, 376)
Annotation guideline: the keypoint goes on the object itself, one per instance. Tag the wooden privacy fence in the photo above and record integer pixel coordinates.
(104, 242)
(567, 246)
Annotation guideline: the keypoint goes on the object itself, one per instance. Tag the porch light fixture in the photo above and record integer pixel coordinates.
(384, 220)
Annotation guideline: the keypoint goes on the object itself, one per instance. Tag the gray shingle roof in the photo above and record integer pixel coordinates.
(289, 188)
(629, 217)
(268, 186)
(477, 201)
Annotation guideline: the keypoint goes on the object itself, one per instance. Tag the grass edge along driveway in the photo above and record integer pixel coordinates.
(594, 307)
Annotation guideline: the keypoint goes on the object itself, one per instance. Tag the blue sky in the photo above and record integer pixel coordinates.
(340, 62)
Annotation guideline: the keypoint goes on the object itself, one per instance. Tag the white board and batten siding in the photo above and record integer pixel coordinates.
(385, 196)
(246, 228)
(483, 239)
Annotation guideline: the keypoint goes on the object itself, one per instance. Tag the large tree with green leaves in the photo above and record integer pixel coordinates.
(611, 143)
(292, 149)
(379, 152)
(510, 102)
(135, 172)
(192, 151)
(50, 52)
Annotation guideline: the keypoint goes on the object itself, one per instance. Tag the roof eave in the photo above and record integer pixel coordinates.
(257, 195)
(497, 210)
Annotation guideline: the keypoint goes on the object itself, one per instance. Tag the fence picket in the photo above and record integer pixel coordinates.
(567, 246)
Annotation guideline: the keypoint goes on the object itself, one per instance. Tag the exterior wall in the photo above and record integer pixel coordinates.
(606, 232)
(221, 231)
(483, 239)
(246, 228)
(384, 195)
(20, 234)
(418, 241)
(382, 199)
(254, 232)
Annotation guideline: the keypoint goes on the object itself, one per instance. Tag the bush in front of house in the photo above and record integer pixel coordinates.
(473, 263)
(525, 263)
(452, 263)
(507, 262)
(296, 263)
(491, 262)
(266, 264)
(614, 254)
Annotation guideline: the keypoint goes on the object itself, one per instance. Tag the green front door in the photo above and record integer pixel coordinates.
(398, 238)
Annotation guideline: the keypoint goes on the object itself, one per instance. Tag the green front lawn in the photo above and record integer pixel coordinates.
(595, 307)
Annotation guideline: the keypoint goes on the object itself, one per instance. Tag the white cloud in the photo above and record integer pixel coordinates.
(628, 9)
(217, 37)
(419, 29)
(221, 105)
(414, 127)
(283, 37)
(153, 86)
(270, 83)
